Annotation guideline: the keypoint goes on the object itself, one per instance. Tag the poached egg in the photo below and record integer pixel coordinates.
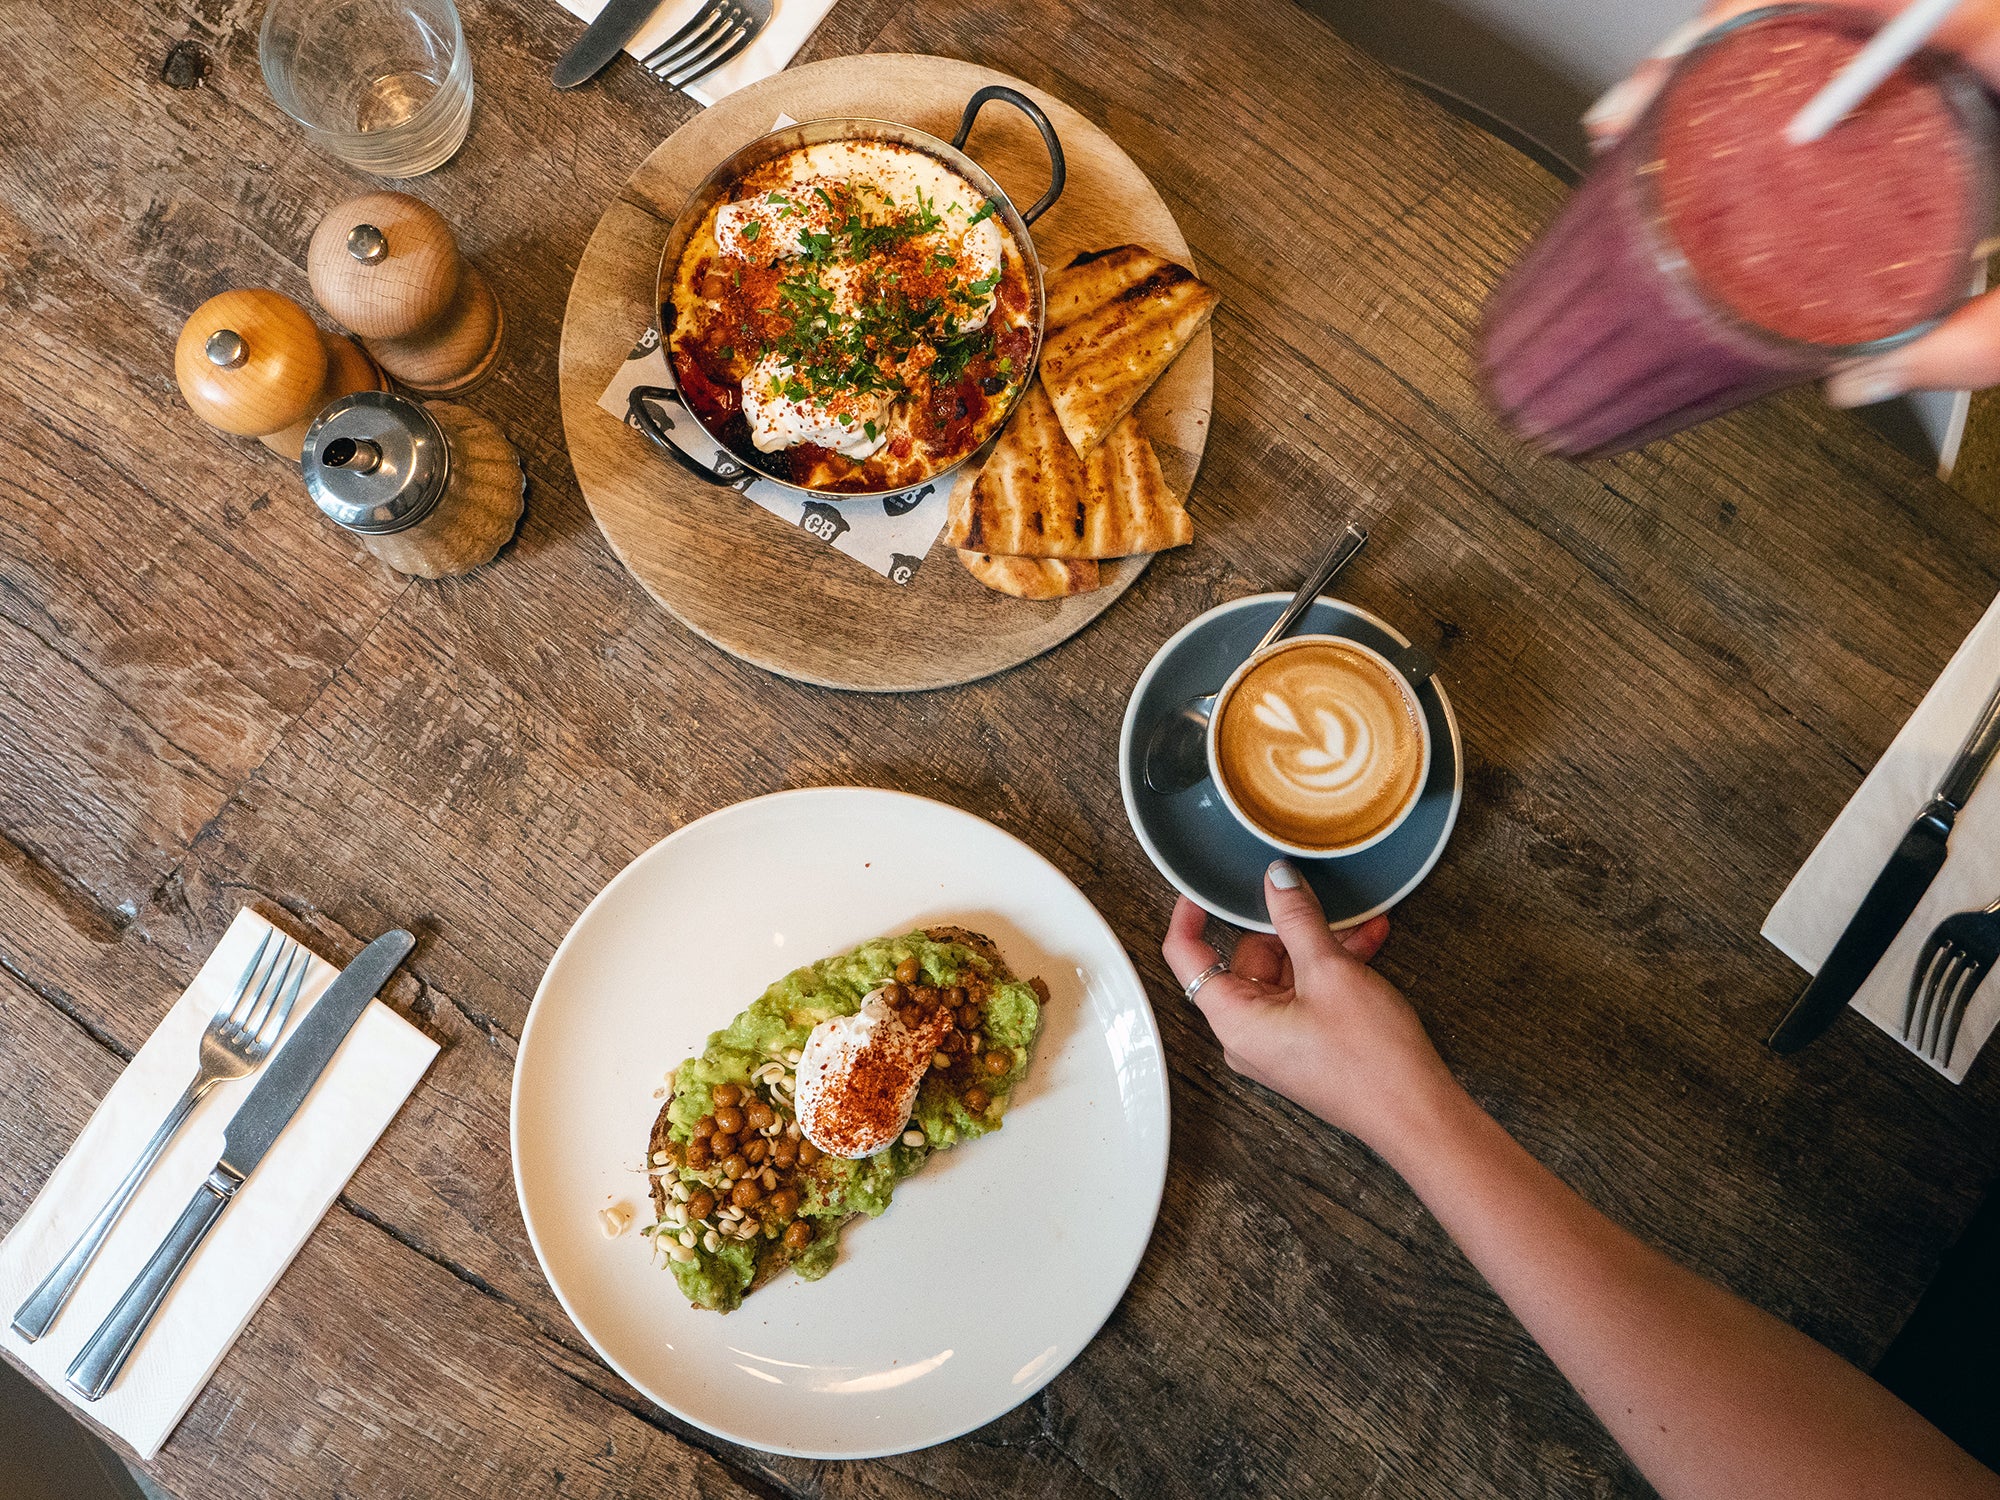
(858, 1077)
(839, 420)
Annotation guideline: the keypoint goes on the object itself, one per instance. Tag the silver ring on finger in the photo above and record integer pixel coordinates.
(1193, 986)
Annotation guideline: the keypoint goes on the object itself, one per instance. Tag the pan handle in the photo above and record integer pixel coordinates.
(1058, 172)
(725, 471)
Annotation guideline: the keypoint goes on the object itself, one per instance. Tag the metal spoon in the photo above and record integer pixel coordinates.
(1177, 749)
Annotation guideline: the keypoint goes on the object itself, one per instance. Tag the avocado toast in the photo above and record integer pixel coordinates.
(739, 1193)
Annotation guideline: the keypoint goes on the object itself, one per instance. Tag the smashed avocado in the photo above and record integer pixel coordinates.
(744, 1078)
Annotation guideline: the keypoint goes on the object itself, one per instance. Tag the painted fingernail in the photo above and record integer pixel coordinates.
(1863, 385)
(1283, 874)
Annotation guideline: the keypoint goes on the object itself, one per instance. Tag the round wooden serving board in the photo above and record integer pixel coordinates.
(740, 577)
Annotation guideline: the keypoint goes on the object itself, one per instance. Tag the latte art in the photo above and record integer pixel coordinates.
(1319, 746)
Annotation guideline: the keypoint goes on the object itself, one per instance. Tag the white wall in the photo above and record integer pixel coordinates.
(1593, 43)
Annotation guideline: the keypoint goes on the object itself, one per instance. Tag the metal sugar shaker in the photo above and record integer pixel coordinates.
(431, 488)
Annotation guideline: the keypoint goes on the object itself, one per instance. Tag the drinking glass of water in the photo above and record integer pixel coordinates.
(385, 85)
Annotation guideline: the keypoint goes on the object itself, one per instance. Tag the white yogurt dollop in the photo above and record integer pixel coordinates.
(840, 421)
(857, 1079)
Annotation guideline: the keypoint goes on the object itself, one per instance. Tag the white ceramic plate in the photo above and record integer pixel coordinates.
(996, 1263)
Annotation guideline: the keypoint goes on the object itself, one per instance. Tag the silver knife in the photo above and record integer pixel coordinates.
(1895, 894)
(258, 1121)
(602, 40)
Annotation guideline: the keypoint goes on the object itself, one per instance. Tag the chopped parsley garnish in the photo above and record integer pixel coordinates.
(986, 211)
(874, 304)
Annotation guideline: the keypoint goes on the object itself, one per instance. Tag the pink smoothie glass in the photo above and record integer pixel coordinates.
(1627, 321)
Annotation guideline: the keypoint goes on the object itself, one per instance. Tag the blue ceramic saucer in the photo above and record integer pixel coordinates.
(1213, 859)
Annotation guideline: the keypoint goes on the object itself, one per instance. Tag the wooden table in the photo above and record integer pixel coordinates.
(1672, 670)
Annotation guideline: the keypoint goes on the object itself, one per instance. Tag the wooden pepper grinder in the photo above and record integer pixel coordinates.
(253, 362)
(432, 489)
(387, 266)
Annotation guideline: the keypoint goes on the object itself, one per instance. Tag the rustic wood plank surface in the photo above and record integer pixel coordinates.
(1671, 670)
(786, 602)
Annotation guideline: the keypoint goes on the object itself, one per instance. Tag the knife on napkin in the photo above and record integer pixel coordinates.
(602, 40)
(1896, 892)
(287, 1080)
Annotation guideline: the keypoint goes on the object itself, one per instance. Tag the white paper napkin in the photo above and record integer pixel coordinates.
(258, 1234)
(890, 534)
(1810, 916)
(792, 21)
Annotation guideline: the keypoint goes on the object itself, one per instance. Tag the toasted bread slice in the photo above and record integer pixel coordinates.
(978, 942)
(1028, 497)
(1129, 508)
(1094, 278)
(1035, 499)
(988, 970)
(1032, 577)
(1098, 367)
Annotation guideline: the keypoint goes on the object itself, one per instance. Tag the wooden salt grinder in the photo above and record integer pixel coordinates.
(254, 363)
(387, 266)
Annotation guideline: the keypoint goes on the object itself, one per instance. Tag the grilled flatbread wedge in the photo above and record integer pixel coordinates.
(1032, 577)
(1129, 508)
(1029, 492)
(1094, 278)
(1098, 367)
(746, 1069)
(1036, 498)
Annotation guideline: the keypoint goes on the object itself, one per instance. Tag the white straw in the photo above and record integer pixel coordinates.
(1891, 46)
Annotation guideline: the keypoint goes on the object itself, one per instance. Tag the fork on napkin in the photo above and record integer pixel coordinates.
(792, 22)
(367, 1081)
(1813, 911)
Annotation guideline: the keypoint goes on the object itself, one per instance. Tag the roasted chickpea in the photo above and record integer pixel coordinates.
(760, 1115)
(909, 971)
(729, 1119)
(784, 1153)
(736, 1166)
(704, 1126)
(976, 1100)
(968, 1017)
(808, 1153)
(958, 995)
(798, 1235)
(701, 1203)
(893, 994)
(953, 1041)
(755, 1150)
(699, 1156)
(785, 1202)
(746, 1193)
(726, 1093)
(999, 1061)
(926, 997)
(721, 1144)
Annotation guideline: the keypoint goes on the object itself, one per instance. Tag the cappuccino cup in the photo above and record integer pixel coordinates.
(1319, 746)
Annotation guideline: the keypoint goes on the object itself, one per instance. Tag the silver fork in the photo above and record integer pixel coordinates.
(720, 30)
(238, 1039)
(1950, 965)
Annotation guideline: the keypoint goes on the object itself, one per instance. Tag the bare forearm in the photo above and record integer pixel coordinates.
(1708, 1395)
